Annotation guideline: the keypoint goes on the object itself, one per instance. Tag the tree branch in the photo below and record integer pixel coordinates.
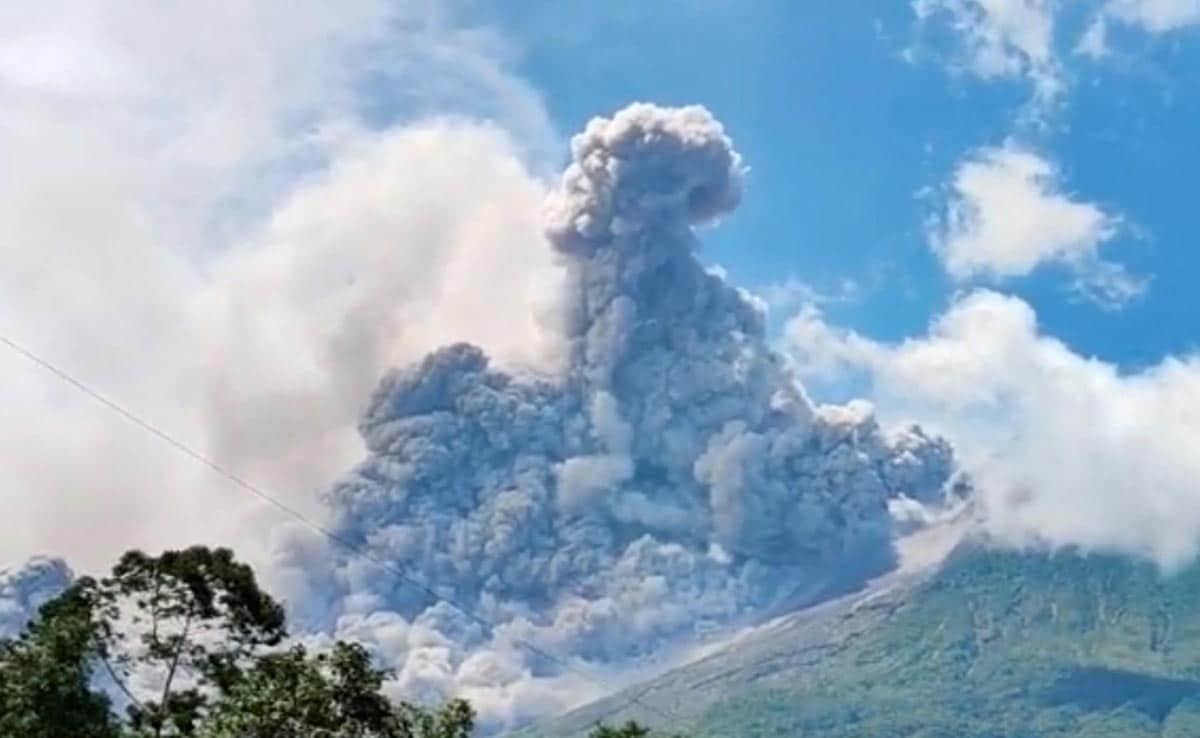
(187, 622)
(121, 684)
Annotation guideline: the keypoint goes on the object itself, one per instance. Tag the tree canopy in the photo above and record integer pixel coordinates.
(196, 624)
(46, 675)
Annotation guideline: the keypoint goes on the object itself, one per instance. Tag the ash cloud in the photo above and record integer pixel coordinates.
(670, 480)
(24, 589)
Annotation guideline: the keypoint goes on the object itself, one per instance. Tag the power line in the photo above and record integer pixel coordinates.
(290, 511)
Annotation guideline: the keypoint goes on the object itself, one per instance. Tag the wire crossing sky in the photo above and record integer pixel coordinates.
(336, 250)
(388, 567)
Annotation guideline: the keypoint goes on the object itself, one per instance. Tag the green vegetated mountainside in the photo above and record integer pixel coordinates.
(994, 645)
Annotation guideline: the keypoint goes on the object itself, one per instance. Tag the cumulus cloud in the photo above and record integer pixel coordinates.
(670, 479)
(1005, 215)
(200, 222)
(1063, 449)
(365, 266)
(1156, 16)
(1002, 39)
(1151, 16)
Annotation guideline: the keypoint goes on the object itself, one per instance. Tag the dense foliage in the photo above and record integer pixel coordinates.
(196, 625)
(45, 676)
(997, 645)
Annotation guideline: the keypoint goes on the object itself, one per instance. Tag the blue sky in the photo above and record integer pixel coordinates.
(166, 164)
(234, 217)
(845, 112)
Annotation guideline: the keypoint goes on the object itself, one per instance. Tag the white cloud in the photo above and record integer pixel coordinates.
(1151, 16)
(383, 257)
(1065, 449)
(1156, 16)
(792, 292)
(1016, 39)
(1005, 215)
(1108, 285)
(1002, 39)
(197, 222)
(1093, 42)
(821, 353)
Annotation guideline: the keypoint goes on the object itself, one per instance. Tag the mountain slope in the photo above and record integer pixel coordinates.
(995, 644)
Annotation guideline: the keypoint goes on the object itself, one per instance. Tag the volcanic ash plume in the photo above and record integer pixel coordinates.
(25, 589)
(671, 480)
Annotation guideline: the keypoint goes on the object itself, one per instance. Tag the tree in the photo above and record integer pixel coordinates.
(191, 618)
(628, 730)
(197, 620)
(45, 676)
(330, 695)
(455, 719)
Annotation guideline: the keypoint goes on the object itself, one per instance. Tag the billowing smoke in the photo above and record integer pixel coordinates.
(1065, 449)
(26, 588)
(670, 480)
